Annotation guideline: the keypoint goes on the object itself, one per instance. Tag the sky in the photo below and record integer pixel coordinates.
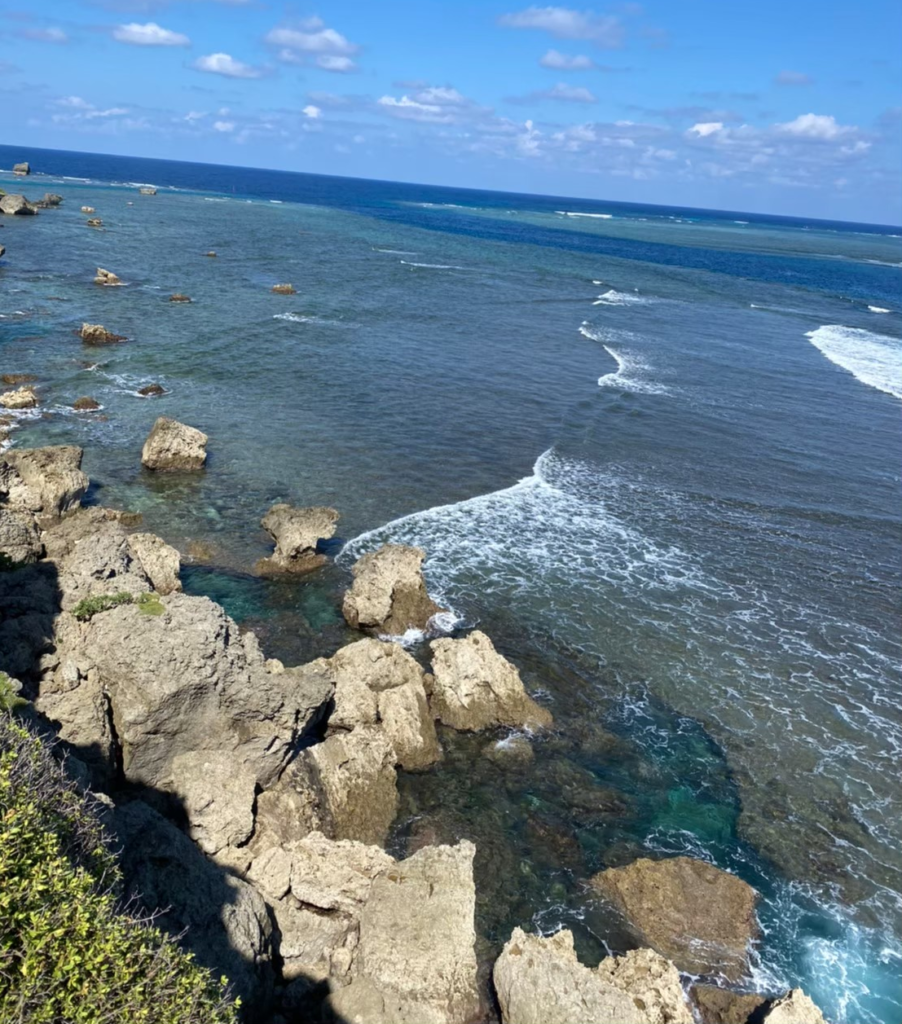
(779, 106)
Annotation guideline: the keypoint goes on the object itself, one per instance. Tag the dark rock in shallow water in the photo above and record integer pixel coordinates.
(721, 1006)
(85, 404)
(149, 390)
(17, 378)
(50, 200)
(97, 334)
(179, 297)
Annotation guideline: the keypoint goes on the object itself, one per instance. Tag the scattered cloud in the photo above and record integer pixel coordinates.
(792, 78)
(312, 111)
(436, 104)
(224, 64)
(44, 35)
(816, 126)
(604, 30)
(77, 109)
(556, 61)
(335, 62)
(312, 42)
(705, 128)
(150, 34)
(224, 126)
(560, 92)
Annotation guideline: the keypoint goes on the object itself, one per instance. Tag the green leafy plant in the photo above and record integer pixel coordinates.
(88, 607)
(9, 699)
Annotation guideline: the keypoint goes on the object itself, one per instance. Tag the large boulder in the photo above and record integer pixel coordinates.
(45, 481)
(22, 168)
(541, 981)
(723, 1006)
(97, 334)
(15, 204)
(159, 560)
(296, 531)
(174, 446)
(389, 594)
(701, 918)
(21, 398)
(380, 684)
(474, 687)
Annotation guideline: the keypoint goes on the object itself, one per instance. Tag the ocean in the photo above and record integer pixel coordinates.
(653, 452)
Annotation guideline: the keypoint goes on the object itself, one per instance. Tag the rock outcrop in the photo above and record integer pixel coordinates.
(22, 168)
(87, 209)
(722, 1006)
(389, 594)
(44, 481)
(20, 538)
(21, 398)
(794, 1008)
(151, 390)
(94, 222)
(174, 446)
(50, 200)
(541, 981)
(17, 378)
(16, 205)
(85, 404)
(701, 918)
(159, 560)
(296, 531)
(179, 297)
(474, 687)
(283, 289)
(97, 334)
(106, 278)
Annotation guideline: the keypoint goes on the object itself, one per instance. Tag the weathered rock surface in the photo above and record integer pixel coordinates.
(174, 446)
(721, 1006)
(97, 334)
(474, 687)
(52, 199)
(389, 594)
(22, 168)
(283, 289)
(159, 560)
(21, 398)
(296, 532)
(17, 378)
(151, 390)
(94, 222)
(794, 1008)
(701, 918)
(179, 297)
(20, 538)
(85, 404)
(106, 278)
(652, 981)
(380, 684)
(87, 209)
(16, 205)
(45, 481)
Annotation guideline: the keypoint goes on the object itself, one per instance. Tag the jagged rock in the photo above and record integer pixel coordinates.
(218, 917)
(794, 1008)
(87, 209)
(15, 204)
(296, 532)
(17, 378)
(389, 594)
(2, 251)
(701, 918)
(22, 168)
(159, 560)
(151, 390)
(541, 981)
(50, 200)
(721, 1006)
(652, 981)
(106, 278)
(415, 961)
(179, 297)
(21, 398)
(283, 289)
(187, 681)
(174, 446)
(20, 538)
(85, 404)
(94, 222)
(46, 481)
(379, 683)
(475, 688)
(97, 334)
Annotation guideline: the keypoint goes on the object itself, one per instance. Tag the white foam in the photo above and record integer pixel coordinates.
(879, 309)
(302, 318)
(396, 252)
(632, 371)
(433, 266)
(596, 216)
(874, 359)
(615, 298)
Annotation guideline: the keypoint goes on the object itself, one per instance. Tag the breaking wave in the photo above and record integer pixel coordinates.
(874, 359)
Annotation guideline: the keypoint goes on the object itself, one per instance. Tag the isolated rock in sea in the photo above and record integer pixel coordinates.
(474, 687)
(159, 560)
(389, 594)
(20, 538)
(147, 190)
(151, 390)
(50, 200)
(97, 334)
(296, 532)
(2, 251)
(722, 1006)
(22, 168)
(794, 1008)
(106, 277)
(701, 918)
(380, 684)
(22, 398)
(179, 297)
(87, 209)
(15, 204)
(85, 404)
(211, 254)
(44, 481)
(17, 378)
(283, 289)
(94, 222)
(174, 446)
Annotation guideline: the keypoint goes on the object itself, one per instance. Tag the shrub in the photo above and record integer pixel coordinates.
(91, 606)
(69, 952)
(9, 698)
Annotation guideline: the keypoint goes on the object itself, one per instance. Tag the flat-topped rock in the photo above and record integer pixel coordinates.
(174, 446)
(85, 404)
(22, 398)
(723, 1006)
(283, 289)
(22, 168)
(179, 297)
(474, 687)
(701, 918)
(296, 532)
(389, 596)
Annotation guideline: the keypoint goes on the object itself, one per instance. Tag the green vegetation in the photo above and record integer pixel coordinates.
(9, 699)
(69, 953)
(148, 603)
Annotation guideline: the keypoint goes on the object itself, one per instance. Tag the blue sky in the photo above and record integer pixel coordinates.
(790, 107)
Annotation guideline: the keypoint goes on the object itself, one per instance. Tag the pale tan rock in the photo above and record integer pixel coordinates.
(21, 398)
(283, 289)
(794, 1008)
(22, 168)
(97, 334)
(217, 797)
(46, 481)
(106, 278)
(389, 594)
(475, 688)
(20, 538)
(296, 532)
(87, 209)
(701, 918)
(16, 205)
(513, 751)
(171, 445)
(159, 560)
(652, 982)
(94, 222)
(723, 1006)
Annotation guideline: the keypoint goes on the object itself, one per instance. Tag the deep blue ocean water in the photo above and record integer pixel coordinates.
(654, 452)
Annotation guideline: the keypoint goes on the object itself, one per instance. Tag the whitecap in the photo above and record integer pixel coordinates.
(879, 309)
(433, 266)
(596, 216)
(395, 252)
(874, 359)
(631, 368)
(303, 318)
(615, 298)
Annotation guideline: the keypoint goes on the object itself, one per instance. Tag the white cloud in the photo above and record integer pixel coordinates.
(564, 62)
(223, 64)
(411, 109)
(706, 128)
(224, 126)
(195, 115)
(335, 62)
(571, 93)
(325, 40)
(604, 30)
(45, 35)
(311, 111)
(792, 78)
(150, 34)
(815, 126)
(109, 112)
(76, 102)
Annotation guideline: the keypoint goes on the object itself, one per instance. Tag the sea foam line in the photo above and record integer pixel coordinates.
(874, 359)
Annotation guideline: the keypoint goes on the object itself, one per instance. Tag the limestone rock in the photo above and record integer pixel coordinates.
(97, 334)
(21, 398)
(20, 538)
(174, 446)
(15, 204)
(179, 297)
(2, 251)
(211, 254)
(85, 404)
(296, 532)
(106, 278)
(475, 688)
(794, 1008)
(94, 222)
(652, 981)
(283, 289)
(22, 168)
(389, 594)
(159, 560)
(51, 199)
(722, 1006)
(541, 981)
(415, 961)
(698, 916)
(47, 481)
(217, 797)
(87, 209)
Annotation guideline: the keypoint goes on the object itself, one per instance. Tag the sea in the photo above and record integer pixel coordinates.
(653, 452)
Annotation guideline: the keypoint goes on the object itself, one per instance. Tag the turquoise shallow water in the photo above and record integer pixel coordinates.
(653, 454)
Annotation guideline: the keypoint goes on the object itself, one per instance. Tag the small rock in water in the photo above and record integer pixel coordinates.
(87, 209)
(150, 390)
(296, 532)
(211, 254)
(17, 378)
(97, 334)
(106, 277)
(147, 190)
(179, 297)
(2, 250)
(389, 594)
(284, 289)
(95, 222)
(174, 446)
(23, 398)
(85, 404)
